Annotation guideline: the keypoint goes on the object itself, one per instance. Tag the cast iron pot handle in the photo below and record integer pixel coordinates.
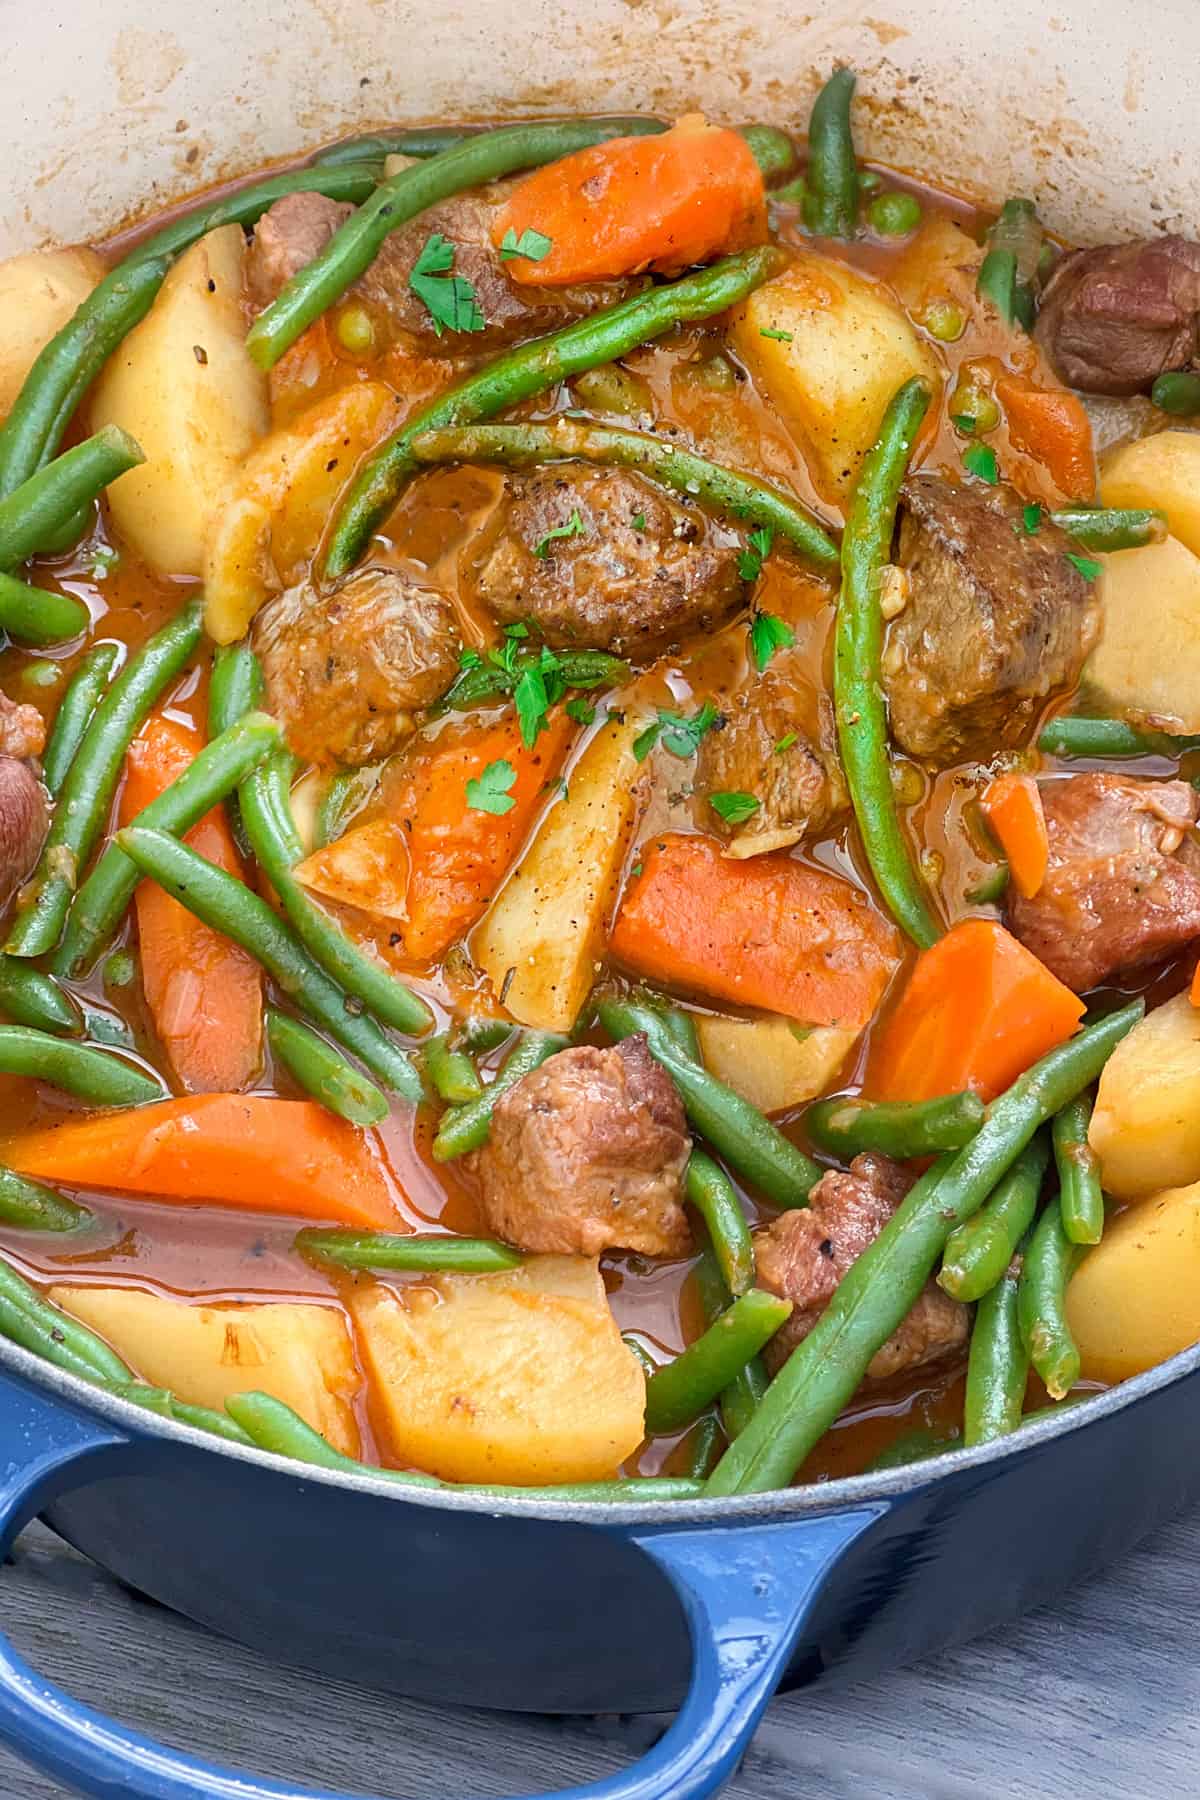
(746, 1590)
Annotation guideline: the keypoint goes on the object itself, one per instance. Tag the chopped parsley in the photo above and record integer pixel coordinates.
(785, 743)
(574, 527)
(489, 792)
(1088, 567)
(581, 710)
(535, 246)
(758, 548)
(532, 703)
(639, 521)
(767, 635)
(636, 869)
(1031, 518)
(678, 735)
(773, 331)
(449, 299)
(734, 808)
(980, 460)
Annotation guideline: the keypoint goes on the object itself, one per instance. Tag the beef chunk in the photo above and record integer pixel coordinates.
(1115, 318)
(22, 729)
(23, 820)
(587, 1154)
(290, 235)
(634, 572)
(345, 671)
(798, 783)
(804, 1254)
(996, 622)
(1122, 887)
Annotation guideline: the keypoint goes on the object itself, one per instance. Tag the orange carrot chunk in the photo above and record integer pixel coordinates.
(978, 1009)
(1013, 808)
(765, 932)
(1194, 990)
(242, 1150)
(636, 203)
(1051, 425)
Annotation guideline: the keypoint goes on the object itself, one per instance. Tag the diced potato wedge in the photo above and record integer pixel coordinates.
(300, 1353)
(771, 1062)
(1147, 663)
(1135, 1298)
(514, 1378)
(38, 294)
(270, 520)
(1146, 1125)
(547, 922)
(184, 385)
(837, 349)
(1163, 471)
(939, 264)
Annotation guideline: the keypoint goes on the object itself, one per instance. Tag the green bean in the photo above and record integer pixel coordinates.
(230, 907)
(680, 1390)
(882, 1285)
(480, 1035)
(235, 688)
(679, 1025)
(831, 193)
(997, 283)
(1050, 1261)
(465, 1128)
(1110, 527)
(451, 1072)
(857, 684)
(715, 1198)
(87, 790)
(1102, 738)
(352, 181)
(633, 1490)
(1010, 268)
(35, 1332)
(917, 1445)
(640, 1354)
(38, 615)
(355, 245)
(100, 903)
(421, 141)
(397, 1250)
(997, 1365)
(747, 1140)
(845, 1126)
(701, 1448)
(1079, 1192)
(203, 1418)
(979, 1250)
(92, 1075)
(991, 889)
(324, 1072)
(345, 794)
(140, 1393)
(742, 1397)
(272, 1425)
(1178, 392)
(772, 149)
(29, 997)
(28, 1206)
(569, 440)
(60, 1329)
(45, 499)
(530, 369)
(75, 711)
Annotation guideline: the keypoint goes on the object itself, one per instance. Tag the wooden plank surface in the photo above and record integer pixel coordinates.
(1098, 1696)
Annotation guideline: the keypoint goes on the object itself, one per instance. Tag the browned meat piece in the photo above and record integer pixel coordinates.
(804, 1254)
(1115, 318)
(22, 729)
(1122, 887)
(600, 559)
(587, 1154)
(995, 623)
(287, 238)
(798, 784)
(24, 817)
(345, 671)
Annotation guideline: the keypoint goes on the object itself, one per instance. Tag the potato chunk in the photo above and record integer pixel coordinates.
(830, 347)
(38, 294)
(1147, 663)
(771, 1062)
(300, 1353)
(1146, 1126)
(184, 385)
(513, 1378)
(1135, 1299)
(1162, 471)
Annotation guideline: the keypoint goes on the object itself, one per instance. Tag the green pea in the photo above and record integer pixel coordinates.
(973, 410)
(355, 332)
(944, 320)
(1177, 392)
(41, 674)
(120, 969)
(869, 181)
(894, 215)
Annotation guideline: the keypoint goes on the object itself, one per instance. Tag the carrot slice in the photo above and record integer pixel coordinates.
(243, 1150)
(1194, 990)
(637, 203)
(978, 1009)
(204, 993)
(1051, 425)
(1013, 807)
(766, 932)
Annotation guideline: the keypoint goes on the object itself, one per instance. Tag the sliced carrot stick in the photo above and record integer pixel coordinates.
(1194, 990)
(1051, 425)
(977, 1011)
(1013, 808)
(204, 993)
(637, 203)
(243, 1150)
(765, 932)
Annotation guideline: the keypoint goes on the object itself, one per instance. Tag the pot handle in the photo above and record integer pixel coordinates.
(746, 1590)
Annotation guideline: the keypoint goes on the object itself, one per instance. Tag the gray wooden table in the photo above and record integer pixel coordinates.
(1098, 1696)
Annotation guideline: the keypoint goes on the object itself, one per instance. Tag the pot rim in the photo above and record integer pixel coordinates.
(780, 1503)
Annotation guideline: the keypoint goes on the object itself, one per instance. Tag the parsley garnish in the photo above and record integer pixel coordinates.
(1031, 518)
(489, 792)
(639, 521)
(532, 703)
(678, 735)
(636, 869)
(1086, 565)
(574, 527)
(535, 246)
(734, 808)
(980, 460)
(450, 299)
(772, 331)
(582, 711)
(757, 550)
(785, 743)
(767, 635)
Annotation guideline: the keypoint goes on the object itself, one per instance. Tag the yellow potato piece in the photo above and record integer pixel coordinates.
(770, 1063)
(1135, 1298)
(185, 387)
(844, 350)
(1162, 471)
(38, 294)
(547, 922)
(366, 867)
(515, 1378)
(1147, 663)
(269, 522)
(1146, 1124)
(300, 1353)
